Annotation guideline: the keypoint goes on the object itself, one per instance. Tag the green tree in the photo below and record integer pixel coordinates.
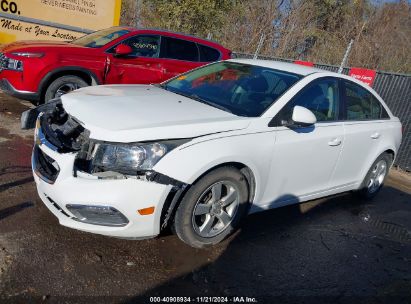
(188, 16)
(315, 30)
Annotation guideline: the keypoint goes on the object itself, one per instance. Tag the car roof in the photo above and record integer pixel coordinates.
(282, 66)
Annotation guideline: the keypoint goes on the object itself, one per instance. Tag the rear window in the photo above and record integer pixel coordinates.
(208, 53)
(362, 104)
(179, 49)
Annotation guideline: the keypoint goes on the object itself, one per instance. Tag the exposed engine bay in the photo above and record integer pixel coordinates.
(61, 129)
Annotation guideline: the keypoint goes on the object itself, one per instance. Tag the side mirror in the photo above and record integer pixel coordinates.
(302, 117)
(123, 50)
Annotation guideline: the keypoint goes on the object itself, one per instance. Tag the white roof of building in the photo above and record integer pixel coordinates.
(283, 66)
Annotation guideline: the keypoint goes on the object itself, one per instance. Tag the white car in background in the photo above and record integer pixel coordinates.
(204, 149)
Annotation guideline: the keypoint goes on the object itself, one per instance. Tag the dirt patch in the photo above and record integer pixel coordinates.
(7, 250)
(10, 126)
(13, 106)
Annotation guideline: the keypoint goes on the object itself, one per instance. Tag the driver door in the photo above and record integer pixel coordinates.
(305, 158)
(142, 66)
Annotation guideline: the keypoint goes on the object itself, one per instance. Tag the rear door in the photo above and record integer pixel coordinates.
(178, 56)
(305, 158)
(365, 124)
(143, 66)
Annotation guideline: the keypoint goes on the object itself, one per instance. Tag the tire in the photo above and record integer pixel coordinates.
(375, 177)
(203, 197)
(63, 85)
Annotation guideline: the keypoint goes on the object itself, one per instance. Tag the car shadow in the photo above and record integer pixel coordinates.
(325, 250)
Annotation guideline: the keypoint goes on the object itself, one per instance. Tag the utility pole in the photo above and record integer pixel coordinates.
(260, 44)
(347, 52)
(344, 61)
(138, 13)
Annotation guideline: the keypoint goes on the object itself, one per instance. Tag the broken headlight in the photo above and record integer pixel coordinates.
(129, 158)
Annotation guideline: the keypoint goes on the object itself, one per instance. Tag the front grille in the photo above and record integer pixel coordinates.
(55, 205)
(45, 167)
(3, 61)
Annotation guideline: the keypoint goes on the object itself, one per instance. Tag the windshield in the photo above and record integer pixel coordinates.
(100, 38)
(241, 89)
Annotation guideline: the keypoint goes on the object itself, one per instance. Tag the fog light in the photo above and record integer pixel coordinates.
(98, 215)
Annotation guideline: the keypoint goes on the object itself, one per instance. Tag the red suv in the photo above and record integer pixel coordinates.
(42, 70)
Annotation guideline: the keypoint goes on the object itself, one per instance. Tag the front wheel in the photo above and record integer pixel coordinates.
(212, 208)
(375, 177)
(63, 85)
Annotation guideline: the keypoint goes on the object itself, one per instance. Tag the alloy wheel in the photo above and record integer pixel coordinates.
(215, 209)
(66, 88)
(377, 176)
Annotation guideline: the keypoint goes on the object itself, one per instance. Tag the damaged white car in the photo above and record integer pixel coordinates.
(203, 150)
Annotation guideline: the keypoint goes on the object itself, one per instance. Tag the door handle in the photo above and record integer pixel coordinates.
(375, 135)
(334, 142)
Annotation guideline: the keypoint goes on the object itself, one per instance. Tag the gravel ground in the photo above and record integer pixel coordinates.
(338, 249)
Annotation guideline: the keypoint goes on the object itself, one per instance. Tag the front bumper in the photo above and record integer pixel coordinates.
(9, 89)
(126, 195)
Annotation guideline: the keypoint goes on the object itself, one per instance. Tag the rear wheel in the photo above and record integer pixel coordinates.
(212, 208)
(63, 85)
(375, 177)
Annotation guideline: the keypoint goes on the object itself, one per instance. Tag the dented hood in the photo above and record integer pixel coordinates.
(128, 113)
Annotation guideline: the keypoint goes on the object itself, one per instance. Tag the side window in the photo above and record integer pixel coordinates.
(178, 49)
(208, 53)
(321, 97)
(144, 45)
(379, 111)
(362, 104)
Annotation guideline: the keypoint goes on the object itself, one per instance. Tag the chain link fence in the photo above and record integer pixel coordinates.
(394, 88)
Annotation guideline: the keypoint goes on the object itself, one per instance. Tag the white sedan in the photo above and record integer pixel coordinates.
(203, 150)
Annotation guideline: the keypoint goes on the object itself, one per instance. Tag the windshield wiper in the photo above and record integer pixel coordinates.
(210, 103)
(160, 85)
(198, 98)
